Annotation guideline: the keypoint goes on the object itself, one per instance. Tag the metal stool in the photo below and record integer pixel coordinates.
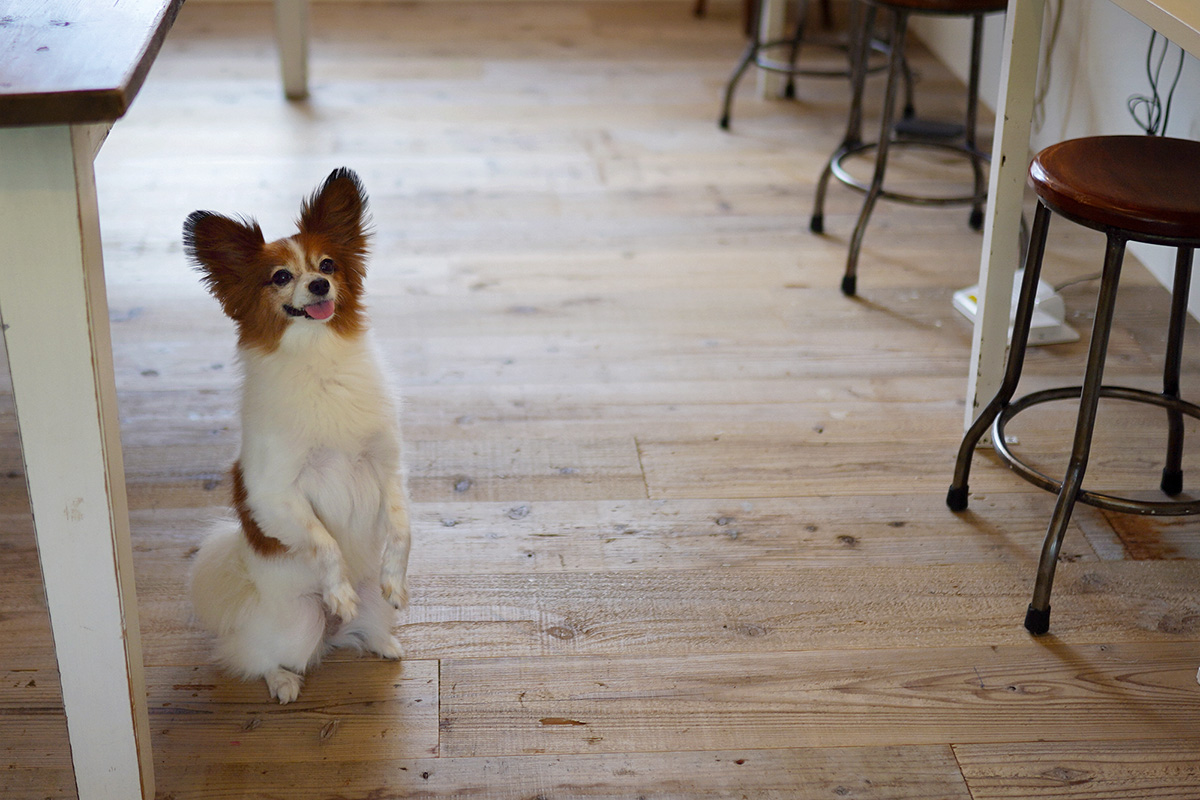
(1133, 188)
(759, 50)
(909, 131)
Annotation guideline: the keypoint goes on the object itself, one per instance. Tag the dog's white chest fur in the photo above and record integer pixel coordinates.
(318, 418)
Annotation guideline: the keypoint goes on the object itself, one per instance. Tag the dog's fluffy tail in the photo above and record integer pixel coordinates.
(222, 591)
(263, 610)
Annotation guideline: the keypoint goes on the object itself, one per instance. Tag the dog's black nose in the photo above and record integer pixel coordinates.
(319, 287)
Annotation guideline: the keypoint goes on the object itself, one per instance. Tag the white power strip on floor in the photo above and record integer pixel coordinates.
(1047, 327)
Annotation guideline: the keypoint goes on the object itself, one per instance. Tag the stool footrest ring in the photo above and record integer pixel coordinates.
(844, 176)
(766, 62)
(1096, 499)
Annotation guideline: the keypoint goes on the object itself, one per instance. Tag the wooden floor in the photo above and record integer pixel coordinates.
(680, 527)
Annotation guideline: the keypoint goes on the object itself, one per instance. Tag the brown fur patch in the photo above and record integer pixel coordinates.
(259, 542)
(347, 278)
(237, 264)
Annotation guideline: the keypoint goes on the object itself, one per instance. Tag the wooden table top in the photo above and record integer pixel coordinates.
(77, 61)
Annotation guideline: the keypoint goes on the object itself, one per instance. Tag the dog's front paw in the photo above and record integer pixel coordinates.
(342, 601)
(395, 591)
(284, 684)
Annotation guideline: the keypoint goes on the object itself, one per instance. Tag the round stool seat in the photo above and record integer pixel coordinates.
(1148, 186)
(946, 6)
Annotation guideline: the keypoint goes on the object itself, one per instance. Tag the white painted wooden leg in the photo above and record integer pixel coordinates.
(291, 31)
(773, 21)
(1006, 189)
(55, 318)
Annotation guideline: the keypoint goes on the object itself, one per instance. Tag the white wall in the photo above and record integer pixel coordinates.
(950, 40)
(1097, 61)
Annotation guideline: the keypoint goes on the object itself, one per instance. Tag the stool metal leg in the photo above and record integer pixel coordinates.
(1172, 477)
(899, 31)
(861, 26)
(748, 55)
(910, 82)
(1037, 618)
(976, 220)
(956, 497)
(789, 90)
(757, 44)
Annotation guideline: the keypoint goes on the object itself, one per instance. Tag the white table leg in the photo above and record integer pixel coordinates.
(1006, 189)
(291, 31)
(773, 22)
(56, 330)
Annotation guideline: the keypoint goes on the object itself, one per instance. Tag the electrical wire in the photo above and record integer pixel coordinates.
(1150, 112)
(1054, 10)
(1074, 281)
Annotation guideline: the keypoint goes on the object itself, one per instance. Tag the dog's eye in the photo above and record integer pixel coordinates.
(327, 266)
(281, 277)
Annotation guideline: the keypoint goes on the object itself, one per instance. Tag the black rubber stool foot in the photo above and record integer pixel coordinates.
(724, 122)
(956, 498)
(976, 221)
(789, 91)
(849, 285)
(817, 223)
(1172, 482)
(1037, 622)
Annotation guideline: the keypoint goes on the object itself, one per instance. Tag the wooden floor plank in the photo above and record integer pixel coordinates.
(364, 708)
(773, 450)
(847, 697)
(33, 759)
(712, 534)
(528, 537)
(29, 688)
(41, 782)
(24, 616)
(757, 464)
(672, 613)
(894, 773)
(532, 469)
(1154, 770)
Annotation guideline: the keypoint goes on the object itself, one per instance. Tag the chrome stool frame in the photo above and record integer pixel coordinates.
(907, 132)
(758, 52)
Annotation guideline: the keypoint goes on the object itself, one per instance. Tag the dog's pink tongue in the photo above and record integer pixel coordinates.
(319, 311)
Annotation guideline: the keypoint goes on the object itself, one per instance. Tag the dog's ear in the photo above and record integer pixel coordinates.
(338, 211)
(228, 253)
(221, 248)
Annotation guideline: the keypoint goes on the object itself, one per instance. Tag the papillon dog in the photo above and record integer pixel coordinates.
(318, 553)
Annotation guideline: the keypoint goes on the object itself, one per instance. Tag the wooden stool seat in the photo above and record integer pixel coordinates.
(1147, 186)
